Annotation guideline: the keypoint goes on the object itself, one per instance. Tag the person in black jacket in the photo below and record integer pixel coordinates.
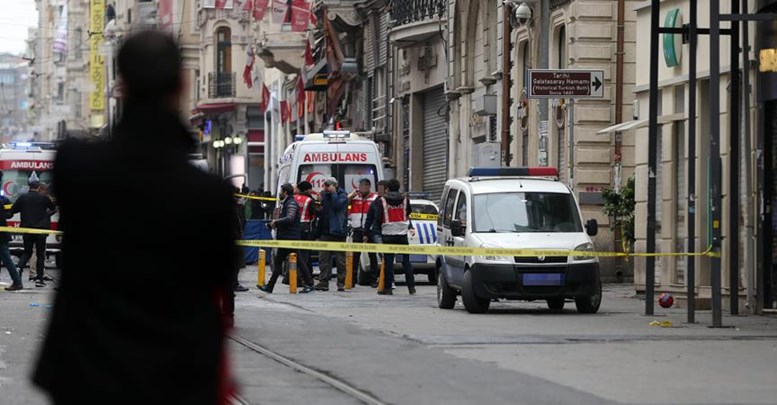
(287, 227)
(138, 315)
(5, 253)
(36, 210)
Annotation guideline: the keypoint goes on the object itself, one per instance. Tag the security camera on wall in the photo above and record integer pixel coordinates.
(523, 14)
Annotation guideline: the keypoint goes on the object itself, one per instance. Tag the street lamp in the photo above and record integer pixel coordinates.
(237, 140)
(228, 141)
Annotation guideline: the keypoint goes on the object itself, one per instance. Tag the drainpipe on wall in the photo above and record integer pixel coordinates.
(506, 45)
(618, 152)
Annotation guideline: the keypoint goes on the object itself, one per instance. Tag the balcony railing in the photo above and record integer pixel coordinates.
(221, 85)
(409, 11)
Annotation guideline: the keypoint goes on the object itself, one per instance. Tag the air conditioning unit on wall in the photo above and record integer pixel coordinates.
(485, 105)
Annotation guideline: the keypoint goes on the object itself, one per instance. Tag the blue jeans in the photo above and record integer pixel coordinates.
(390, 257)
(5, 257)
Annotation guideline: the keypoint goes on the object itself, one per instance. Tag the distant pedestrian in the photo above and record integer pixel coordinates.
(307, 217)
(138, 316)
(332, 228)
(239, 217)
(5, 253)
(393, 214)
(287, 227)
(374, 231)
(44, 190)
(360, 202)
(36, 210)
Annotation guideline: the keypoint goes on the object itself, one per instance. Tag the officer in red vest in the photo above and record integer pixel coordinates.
(360, 201)
(307, 215)
(393, 214)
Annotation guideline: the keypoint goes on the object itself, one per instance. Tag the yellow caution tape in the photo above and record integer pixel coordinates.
(256, 197)
(432, 250)
(447, 250)
(423, 217)
(8, 206)
(663, 324)
(30, 231)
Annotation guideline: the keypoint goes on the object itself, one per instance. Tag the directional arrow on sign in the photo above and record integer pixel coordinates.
(596, 82)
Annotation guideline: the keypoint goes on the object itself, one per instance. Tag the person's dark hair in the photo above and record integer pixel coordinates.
(1, 174)
(304, 186)
(365, 181)
(288, 188)
(150, 66)
(34, 185)
(392, 185)
(383, 183)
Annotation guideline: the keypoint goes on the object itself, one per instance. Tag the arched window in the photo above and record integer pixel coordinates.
(223, 50)
(562, 47)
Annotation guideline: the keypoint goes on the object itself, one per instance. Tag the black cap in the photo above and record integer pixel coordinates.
(365, 181)
(304, 186)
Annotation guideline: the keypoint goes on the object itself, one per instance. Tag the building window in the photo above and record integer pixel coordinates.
(78, 43)
(562, 47)
(224, 50)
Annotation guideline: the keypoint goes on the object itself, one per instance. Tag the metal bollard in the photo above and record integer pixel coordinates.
(293, 273)
(348, 270)
(382, 278)
(260, 267)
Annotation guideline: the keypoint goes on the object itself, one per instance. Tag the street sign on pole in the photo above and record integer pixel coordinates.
(566, 83)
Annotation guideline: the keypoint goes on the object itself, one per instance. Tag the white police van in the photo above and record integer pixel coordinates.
(515, 208)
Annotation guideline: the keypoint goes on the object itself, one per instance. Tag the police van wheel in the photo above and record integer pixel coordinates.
(472, 303)
(589, 304)
(446, 296)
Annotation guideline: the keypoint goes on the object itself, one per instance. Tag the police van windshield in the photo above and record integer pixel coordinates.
(424, 209)
(347, 175)
(525, 212)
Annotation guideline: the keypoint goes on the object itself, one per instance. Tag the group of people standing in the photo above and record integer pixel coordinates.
(36, 209)
(382, 217)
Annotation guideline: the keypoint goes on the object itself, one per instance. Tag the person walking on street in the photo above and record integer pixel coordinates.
(374, 230)
(36, 210)
(44, 190)
(332, 228)
(307, 216)
(360, 202)
(138, 317)
(394, 218)
(287, 227)
(5, 253)
(240, 218)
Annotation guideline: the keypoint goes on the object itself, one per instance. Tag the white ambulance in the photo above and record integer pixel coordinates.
(21, 162)
(340, 154)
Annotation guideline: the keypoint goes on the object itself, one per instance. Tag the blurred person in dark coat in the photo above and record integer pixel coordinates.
(138, 317)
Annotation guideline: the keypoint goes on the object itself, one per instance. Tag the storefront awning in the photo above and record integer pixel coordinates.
(215, 108)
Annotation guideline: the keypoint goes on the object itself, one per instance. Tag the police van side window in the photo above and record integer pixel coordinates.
(448, 215)
(442, 205)
(461, 210)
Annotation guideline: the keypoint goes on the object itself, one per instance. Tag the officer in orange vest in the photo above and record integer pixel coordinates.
(359, 202)
(393, 215)
(307, 214)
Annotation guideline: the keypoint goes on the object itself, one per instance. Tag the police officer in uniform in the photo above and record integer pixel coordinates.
(307, 215)
(393, 214)
(360, 201)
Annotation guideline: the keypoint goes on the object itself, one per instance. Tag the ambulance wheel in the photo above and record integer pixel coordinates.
(446, 296)
(472, 303)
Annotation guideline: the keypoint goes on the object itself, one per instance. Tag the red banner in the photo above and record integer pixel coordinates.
(285, 111)
(265, 98)
(300, 97)
(260, 7)
(165, 14)
(300, 16)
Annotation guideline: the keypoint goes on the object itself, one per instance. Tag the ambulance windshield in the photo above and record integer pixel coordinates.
(348, 175)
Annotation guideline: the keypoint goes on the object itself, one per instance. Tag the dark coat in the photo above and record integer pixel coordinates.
(374, 221)
(333, 212)
(287, 226)
(36, 210)
(136, 318)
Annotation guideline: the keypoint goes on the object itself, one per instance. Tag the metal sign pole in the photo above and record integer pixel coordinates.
(650, 261)
(690, 268)
(716, 181)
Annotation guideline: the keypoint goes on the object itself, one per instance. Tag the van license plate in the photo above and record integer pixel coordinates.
(543, 279)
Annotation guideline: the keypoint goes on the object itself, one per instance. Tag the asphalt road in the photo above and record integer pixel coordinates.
(358, 347)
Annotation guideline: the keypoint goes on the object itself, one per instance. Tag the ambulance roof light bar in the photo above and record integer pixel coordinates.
(336, 134)
(513, 171)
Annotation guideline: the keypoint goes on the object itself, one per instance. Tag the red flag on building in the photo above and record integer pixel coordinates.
(260, 7)
(285, 111)
(308, 54)
(222, 4)
(251, 58)
(248, 5)
(265, 98)
(300, 96)
(300, 16)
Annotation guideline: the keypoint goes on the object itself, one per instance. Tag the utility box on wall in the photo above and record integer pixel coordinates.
(486, 154)
(485, 105)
